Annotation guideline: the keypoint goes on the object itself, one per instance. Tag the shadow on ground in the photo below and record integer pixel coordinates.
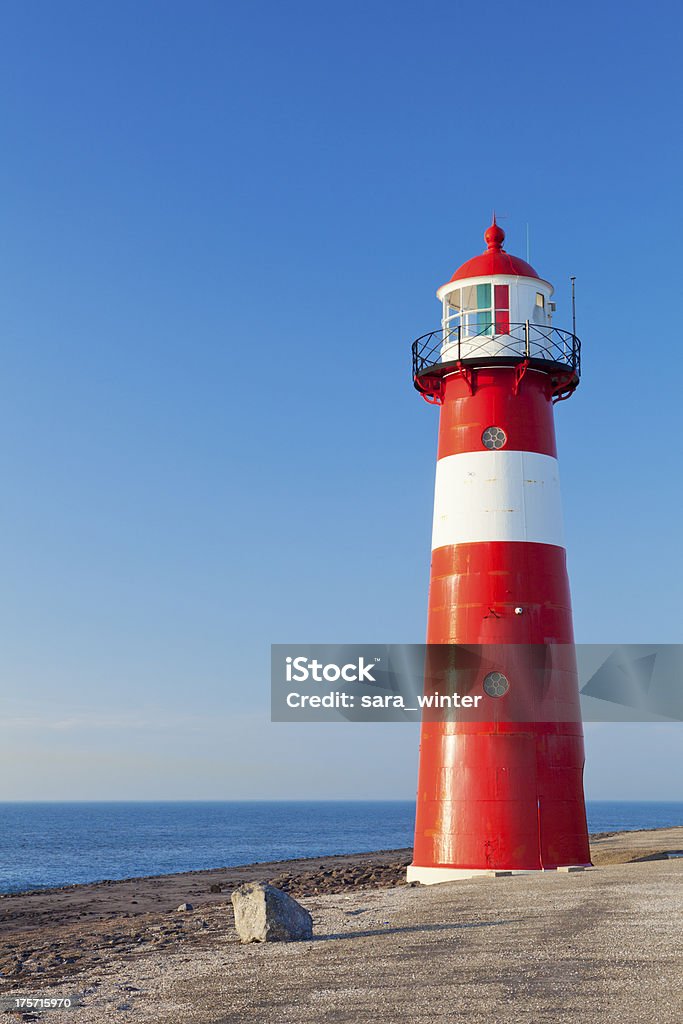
(416, 928)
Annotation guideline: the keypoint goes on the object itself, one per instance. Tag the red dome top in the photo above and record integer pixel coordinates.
(495, 260)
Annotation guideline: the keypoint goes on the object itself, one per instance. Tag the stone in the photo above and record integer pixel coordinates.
(185, 906)
(266, 914)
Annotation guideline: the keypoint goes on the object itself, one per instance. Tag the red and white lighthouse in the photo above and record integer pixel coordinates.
(505, 794)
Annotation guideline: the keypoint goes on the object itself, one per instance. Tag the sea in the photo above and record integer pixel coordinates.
(43, 845)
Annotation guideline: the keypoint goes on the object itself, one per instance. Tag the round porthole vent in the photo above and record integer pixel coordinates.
(494, 438)
(496, 684)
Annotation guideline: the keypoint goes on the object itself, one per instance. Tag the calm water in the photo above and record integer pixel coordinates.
(60, 844)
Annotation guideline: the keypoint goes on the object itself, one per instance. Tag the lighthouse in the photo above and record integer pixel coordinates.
(504, 793)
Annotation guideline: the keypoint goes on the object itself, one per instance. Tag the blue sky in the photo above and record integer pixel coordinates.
(222, 226)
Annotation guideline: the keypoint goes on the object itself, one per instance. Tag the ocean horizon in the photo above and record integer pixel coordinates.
(51, 844)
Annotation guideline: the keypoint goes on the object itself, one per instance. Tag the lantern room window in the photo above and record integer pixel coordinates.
(471, 309)
(502, 297)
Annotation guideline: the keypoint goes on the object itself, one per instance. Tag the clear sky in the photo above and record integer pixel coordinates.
(223, 224)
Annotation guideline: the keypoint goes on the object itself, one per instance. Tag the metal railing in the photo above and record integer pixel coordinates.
(538, 343)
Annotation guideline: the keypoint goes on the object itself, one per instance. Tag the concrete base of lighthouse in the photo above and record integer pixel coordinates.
(432, 876)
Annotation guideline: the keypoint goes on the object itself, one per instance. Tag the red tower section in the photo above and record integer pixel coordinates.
(505, 794)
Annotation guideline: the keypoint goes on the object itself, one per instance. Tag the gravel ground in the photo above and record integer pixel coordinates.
(602, 945)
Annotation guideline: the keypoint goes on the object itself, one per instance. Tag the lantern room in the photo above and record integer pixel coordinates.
(496, 311)
(489, 296)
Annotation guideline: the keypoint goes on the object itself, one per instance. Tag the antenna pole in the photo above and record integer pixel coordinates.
(527, 243)
(573, 281)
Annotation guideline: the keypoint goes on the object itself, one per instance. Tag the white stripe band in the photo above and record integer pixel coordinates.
(497, 495)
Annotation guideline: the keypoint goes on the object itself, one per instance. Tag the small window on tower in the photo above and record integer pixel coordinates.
(540, 300)
(496, 684)
(494, 438)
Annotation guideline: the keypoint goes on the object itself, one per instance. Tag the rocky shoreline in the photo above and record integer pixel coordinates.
(49, 936)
